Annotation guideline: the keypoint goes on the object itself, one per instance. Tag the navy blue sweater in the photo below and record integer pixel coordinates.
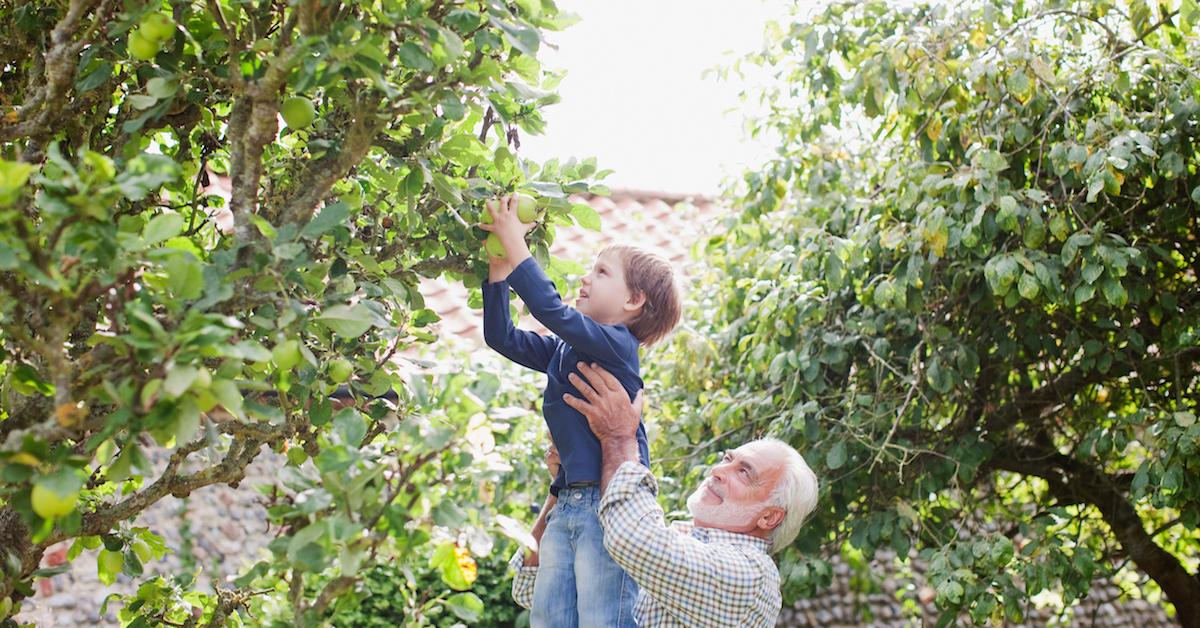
(576, 338)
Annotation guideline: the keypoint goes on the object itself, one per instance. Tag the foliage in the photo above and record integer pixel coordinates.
(966, 289)
(143, 310)
(384, 585)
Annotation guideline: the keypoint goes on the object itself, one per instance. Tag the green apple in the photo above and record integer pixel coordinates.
(48, 504)
(298, 112)
(142, 47)
(157, 27)
(527, 210)
(487, 216)
(340, 370)
(286, 354)
(110, 562)
(493, 246)
(142, 549)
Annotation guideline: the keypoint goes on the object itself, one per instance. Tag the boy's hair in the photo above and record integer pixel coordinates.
(651, 276)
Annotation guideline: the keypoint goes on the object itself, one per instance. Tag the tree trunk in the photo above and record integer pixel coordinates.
(1075, 482)
(1181, 587)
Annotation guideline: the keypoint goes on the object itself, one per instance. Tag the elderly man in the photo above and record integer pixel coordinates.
(712, 571)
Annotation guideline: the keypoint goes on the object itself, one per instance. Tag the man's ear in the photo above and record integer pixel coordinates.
(635, 302)
(770, 518)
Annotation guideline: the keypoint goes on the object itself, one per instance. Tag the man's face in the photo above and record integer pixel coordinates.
(603, 295)
(734, 495)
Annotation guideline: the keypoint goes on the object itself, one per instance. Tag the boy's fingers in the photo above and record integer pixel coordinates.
(583, 387)
(486, 226)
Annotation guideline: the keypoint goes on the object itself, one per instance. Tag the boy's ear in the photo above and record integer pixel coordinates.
(635, 302)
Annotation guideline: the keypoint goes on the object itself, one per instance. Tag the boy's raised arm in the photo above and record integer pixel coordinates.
(540, 295)
(523, 347)
(576, 329)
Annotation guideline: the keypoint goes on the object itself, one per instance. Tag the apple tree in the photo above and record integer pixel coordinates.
(966, 288)
(157, 333)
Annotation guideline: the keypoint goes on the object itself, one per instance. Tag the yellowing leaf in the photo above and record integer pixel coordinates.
(25, 458)
(978, 38)
(933, 130)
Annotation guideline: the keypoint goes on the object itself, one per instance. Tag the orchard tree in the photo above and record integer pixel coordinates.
(966, 289)
(144, 313)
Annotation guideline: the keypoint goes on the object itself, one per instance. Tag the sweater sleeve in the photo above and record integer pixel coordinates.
(612, 343)
(523, 347)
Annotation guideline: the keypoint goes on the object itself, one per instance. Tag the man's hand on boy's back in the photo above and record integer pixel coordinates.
(509, 229)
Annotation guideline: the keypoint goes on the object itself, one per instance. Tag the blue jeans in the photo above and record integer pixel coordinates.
(578, 583)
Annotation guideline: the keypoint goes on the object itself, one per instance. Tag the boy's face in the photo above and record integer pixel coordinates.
(603, 295)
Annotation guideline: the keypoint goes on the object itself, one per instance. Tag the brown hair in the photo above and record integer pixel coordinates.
(650, 275)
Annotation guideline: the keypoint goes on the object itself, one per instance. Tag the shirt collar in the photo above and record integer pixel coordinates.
(714, 535)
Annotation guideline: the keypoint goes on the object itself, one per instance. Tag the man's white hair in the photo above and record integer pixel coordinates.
(795, 492)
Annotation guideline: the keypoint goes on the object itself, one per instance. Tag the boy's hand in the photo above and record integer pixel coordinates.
(552, 461)
(508, 228)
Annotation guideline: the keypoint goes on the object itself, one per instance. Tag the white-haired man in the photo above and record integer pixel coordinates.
(713, 571)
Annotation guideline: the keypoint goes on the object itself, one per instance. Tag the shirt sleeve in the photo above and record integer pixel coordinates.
(697, 583)
(523, 579)
(604, 342)
(523, 347)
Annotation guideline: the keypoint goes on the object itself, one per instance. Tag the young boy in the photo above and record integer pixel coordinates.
(628, 299)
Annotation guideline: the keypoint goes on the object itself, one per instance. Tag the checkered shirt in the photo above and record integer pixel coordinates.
(689, 576)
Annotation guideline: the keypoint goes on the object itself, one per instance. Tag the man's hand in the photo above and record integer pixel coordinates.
(607, 408)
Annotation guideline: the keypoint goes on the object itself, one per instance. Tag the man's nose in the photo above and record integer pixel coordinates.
(718, 473)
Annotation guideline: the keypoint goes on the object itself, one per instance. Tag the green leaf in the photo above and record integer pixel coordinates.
(1114, 292)
(350, 426)
(346, 320)
(330, 216)
(161, 87)
(949, 591)
(836, 456)
(522, 38)
(179, 379)
(228, 395)
(1018, 83)
(467, 606)
(13, 175)
(465, 149)
(414, 57)
(27, 381)
(1028, 286)
(991, 160)
(446, 189)
(185, 276)
(162, 227)
(587, 217)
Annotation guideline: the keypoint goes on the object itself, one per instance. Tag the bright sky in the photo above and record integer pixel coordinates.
(634, 97)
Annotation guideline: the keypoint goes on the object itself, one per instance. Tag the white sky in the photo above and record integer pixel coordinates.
(634, 97)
